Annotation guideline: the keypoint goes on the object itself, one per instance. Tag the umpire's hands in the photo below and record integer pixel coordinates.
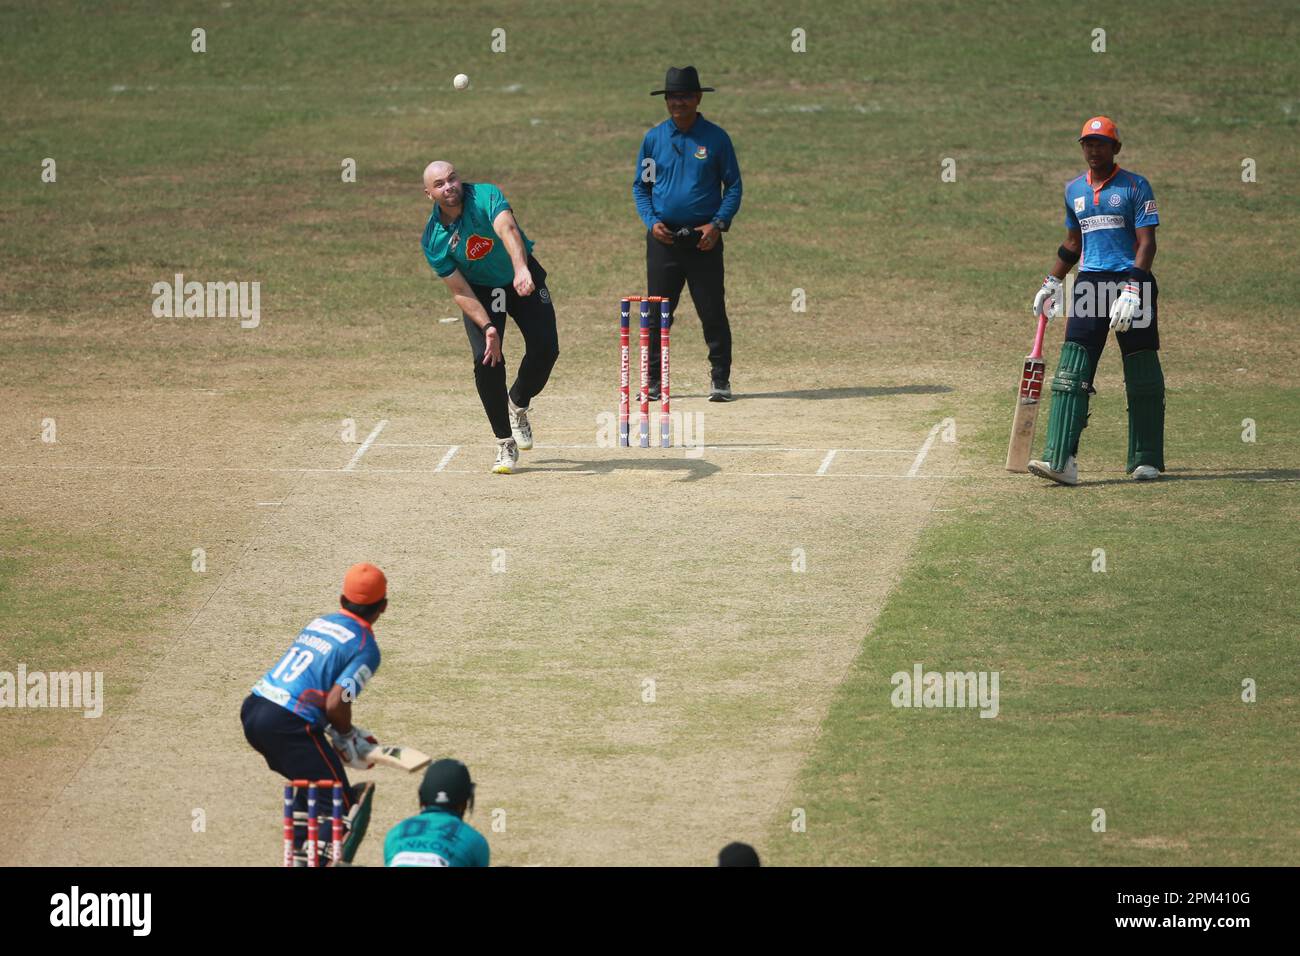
(662, 233)
(709, 234)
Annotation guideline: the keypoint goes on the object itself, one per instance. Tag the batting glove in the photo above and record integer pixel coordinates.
(1123, 309)
(1048, 300)
(354, 746)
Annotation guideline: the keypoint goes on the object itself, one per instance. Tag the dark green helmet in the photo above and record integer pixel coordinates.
(447, 784)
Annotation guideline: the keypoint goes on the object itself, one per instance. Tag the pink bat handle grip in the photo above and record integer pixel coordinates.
(1037, 353)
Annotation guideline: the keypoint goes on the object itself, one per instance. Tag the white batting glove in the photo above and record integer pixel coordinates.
(1125, 307)
(354, 746)
(1049, 298)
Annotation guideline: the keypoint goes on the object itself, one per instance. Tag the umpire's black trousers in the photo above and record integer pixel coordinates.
(668, 268)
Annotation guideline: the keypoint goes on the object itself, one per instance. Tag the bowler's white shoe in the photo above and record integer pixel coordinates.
(1069, 475)
(507, 456)
(519, 427)
(1146, 473)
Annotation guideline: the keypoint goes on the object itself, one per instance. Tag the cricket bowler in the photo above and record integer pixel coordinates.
(1110, 231)
(473, 243)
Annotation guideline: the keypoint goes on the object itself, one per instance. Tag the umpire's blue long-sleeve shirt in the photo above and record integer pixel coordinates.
(691, 171)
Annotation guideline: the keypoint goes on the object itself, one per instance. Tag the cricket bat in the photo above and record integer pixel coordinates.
(401, 758)
(1026, 417)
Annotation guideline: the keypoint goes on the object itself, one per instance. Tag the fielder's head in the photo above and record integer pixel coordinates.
(1100, 141)
(738, 854)
(442, 183)
(365, 591)
(447, 785)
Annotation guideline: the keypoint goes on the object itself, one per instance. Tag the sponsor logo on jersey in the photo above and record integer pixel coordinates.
(1149, 207)
(701, 152)
(476, 247)
(1078, 204)
(1098, 223)
(455, 241)
(330, 629)
(1116, 199)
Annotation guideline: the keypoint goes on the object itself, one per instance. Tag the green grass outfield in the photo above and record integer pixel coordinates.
(1120, 690)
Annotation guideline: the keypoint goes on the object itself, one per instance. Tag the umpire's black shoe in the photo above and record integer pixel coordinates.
(655, 393)
(720, 392)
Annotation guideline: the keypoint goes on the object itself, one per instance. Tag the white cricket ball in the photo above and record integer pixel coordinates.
(461, 81)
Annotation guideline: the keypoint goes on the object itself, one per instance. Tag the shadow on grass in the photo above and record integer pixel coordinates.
(1205, 474)
(691, 469)
(818, 394)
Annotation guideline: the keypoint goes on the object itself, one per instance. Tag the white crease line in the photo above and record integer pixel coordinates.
(365, 446)
(925, 450)
(594, 447)
(826, 462)
(261, 504)
(451, 453)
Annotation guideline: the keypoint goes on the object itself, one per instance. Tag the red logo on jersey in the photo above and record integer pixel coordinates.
(477, 247)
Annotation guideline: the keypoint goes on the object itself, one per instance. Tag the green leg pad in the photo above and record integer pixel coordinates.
(1069, 413)
(1145, 384)
(360, 820)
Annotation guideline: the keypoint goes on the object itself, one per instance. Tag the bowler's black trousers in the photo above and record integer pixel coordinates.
(535, 316)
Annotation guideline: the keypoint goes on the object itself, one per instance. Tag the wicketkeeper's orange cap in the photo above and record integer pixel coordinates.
(364, 584)
(1100, 126)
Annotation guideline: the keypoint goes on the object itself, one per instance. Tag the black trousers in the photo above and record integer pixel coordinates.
(668, 269)
(1089, 322)
(535, 316)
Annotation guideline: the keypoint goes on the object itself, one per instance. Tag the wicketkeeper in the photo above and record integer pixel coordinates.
(1110, 223)
(299, 715)
(438, 835)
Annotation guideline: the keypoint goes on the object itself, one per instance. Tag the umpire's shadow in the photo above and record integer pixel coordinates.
(690, 469)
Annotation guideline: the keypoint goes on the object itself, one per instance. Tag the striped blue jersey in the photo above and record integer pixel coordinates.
(334, 649)
(1109, 214)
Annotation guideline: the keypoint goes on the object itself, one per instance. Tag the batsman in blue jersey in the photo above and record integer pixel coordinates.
(299, 715)
(1110, 230)
(438, 835)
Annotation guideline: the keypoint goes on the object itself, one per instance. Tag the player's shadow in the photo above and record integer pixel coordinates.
(690, 469)
(1176, 475)
(850, 391)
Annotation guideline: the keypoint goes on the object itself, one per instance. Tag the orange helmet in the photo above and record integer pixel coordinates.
(364, 584)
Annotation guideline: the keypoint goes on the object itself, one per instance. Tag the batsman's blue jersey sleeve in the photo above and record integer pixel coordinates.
(1108, 215)
(435, 837)
(333, 649)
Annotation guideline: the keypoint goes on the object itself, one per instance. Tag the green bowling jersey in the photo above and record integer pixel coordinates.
(471, 244)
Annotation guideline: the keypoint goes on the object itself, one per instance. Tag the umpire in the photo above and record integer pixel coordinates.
(687, 190)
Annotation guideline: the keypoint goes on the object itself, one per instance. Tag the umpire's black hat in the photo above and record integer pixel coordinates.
(684, 80)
